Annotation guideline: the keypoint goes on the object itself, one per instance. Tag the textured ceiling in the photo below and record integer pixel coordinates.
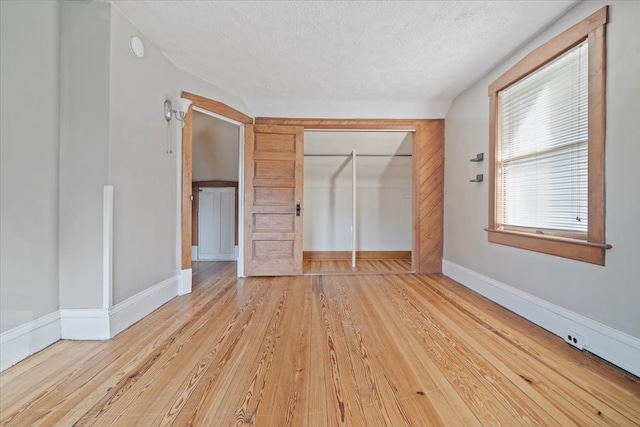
(341, 58)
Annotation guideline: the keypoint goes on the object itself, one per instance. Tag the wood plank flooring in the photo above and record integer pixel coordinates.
(363, 266)
(357, 350)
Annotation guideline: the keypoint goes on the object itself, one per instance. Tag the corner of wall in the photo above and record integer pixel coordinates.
(87, 324)
(23, 341)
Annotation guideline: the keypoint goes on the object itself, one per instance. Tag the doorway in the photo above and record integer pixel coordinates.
(188, 205)
(427, 171)
(358, 200)
(215, 175)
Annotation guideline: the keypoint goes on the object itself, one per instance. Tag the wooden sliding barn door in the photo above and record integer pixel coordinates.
(273, 200)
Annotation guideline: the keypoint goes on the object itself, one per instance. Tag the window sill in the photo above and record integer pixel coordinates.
(579, 250)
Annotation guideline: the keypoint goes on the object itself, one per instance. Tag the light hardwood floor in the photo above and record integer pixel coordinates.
(359, 350)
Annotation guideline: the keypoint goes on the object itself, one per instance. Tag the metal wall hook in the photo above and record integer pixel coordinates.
(479, 178)
(479, 157)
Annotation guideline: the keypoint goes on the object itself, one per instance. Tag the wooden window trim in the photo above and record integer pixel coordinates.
(592, 249)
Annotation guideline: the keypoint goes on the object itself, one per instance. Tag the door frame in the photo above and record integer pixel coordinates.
(186, 201)
(428, 177)
(428, 174)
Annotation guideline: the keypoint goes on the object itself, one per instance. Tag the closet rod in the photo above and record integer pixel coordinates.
(359, 155)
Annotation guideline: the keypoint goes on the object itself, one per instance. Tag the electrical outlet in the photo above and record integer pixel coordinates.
(574, 338)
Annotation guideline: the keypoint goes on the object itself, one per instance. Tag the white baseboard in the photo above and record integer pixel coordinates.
(85, 324)
(131, 310)
(24, 340)
(614, 346)
(186, 280)
(194, 253)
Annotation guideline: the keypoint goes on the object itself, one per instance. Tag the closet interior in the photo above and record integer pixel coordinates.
(357, 201)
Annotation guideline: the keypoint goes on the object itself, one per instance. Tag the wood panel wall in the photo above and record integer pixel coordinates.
(428, 177)
(428, 172)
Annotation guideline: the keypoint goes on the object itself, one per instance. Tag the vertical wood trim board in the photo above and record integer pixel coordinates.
(428, 190)
(195, 210)
(187, 167)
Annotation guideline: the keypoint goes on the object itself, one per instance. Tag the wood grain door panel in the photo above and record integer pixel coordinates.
(273, 188)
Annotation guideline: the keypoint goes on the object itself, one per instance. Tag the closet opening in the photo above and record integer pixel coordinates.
(358, 188)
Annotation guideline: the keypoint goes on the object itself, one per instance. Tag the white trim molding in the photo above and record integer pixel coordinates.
(614, 346)
(186, 280)
(104, 324)
(131, 310)
(85, 324)
(22, 341)
(107, 246)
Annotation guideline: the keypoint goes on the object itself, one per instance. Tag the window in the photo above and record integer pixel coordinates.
(547, 131)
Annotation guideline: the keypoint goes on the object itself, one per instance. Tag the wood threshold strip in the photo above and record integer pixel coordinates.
(321, 255)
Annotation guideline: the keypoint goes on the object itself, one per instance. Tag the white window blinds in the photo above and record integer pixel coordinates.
(542, 158)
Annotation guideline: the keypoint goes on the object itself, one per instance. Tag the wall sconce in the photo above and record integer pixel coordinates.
(180, 112)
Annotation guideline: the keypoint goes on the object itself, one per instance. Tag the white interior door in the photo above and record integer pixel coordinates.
(216, 224)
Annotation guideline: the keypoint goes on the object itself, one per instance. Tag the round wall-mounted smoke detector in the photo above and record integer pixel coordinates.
(136, 47)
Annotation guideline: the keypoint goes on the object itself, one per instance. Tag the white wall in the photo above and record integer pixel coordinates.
(383, 192)
(29, 149)
(80, 112)
(141, 171)
(609, 294)
(215, 148)
(84, 145)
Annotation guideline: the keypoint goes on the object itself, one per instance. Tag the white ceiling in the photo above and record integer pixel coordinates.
(341, 58)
